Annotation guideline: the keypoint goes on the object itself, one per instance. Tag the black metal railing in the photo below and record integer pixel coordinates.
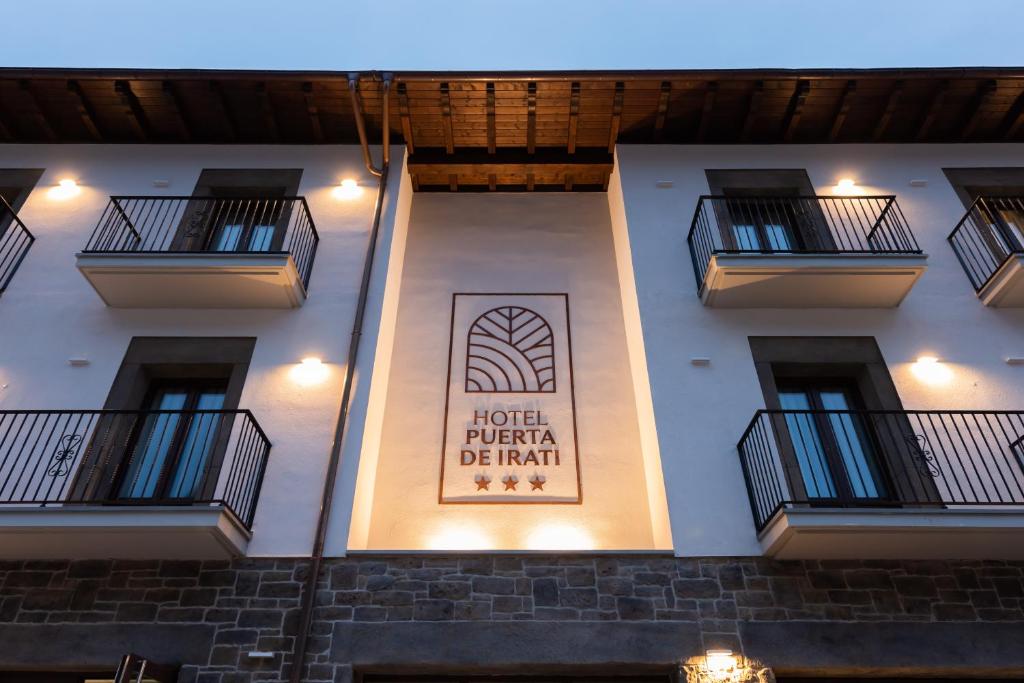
(15, 240)
(987, 236)
(255, 225)
(123, 457)
(796, 225)
(914, 458)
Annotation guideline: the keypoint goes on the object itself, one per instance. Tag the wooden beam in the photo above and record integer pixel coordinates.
(890, 107)
(613, 134)
(492, 132)
(85, 110)
(842, 110)
(220, 101)
(1014, 118)
(662, 114)
(446, 112)
(415, 182)
(705, 111)
(931, 111)
(529, 182)
(574, 115)
(977, 105)
(267, 110)
(5, 127)
(132, 109)
(174, 104)
(37, 112)
(403, 111)
(453, 182)
(752, 106)
(531, 117)
(568, 182)
(492, 181)
(312, 111)
(795, 110)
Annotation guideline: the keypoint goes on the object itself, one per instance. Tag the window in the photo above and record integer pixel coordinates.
(238, 210)
(15, 187)
(171, 452)
(995, 198)
(178, 395)
(835, 450)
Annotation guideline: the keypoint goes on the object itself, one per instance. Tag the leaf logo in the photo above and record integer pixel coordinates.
(510, 350)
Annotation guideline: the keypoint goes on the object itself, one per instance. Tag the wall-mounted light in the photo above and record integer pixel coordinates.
(348, 189)
(931, 370)
(847, 186)
(722, 666)
(65, 189)
(310, 371)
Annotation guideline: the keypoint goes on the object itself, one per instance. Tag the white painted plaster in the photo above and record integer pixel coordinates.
(701, 412)
(50, 313)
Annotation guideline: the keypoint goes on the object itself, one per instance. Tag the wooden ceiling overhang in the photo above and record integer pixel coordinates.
(532, 131)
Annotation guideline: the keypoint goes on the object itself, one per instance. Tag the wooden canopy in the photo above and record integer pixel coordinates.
(515, 131)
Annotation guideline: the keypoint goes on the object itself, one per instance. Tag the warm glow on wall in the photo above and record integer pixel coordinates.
(348, 189)
(930, 370)
(459, 536)
(66, 188)
(309, 372)
(559, 536)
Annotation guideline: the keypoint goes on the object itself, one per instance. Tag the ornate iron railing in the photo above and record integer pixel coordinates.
(796, 225)
(987, 236)
(15, 241)
(122, 457)
(931, 459)
(255, 225)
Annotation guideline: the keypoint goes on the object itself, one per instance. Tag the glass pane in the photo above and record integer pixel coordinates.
(778, 237)
(746, 237)
(196, 448)
(856, 454)
(1013, 220)
(810, 453)
(153, 448)
(261, 238)
(228, 237)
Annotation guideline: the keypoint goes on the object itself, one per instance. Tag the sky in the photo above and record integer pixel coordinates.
(511, 35)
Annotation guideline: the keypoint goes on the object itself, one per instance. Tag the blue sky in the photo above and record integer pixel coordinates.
(521, 34)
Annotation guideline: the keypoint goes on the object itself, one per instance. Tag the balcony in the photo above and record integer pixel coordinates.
(803, 252)
(201, 252)
(129, 484)
(15, 241)
(886, 484)
(989, 241)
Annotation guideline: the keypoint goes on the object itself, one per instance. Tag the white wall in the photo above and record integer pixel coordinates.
(702, 411)
(50, 313)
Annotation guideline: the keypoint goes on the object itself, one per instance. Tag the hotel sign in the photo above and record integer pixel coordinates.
(510, 410)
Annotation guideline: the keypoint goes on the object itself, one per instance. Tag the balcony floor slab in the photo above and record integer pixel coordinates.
(961, 533)
(1005, 289)
(194, 280)
(810, 280)
(120, 532)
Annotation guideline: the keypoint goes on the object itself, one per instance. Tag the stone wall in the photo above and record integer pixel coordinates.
(253, 604)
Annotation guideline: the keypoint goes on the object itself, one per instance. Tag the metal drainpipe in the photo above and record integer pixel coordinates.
(316, 560)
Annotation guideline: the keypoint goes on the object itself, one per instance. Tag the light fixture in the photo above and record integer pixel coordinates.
(930, 370)
(559, 537)
(722, 666)
(310, 371)
(65, 189)
(348, 189)
(847, 186)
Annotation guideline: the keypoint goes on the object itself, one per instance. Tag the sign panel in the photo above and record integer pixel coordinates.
(510, 411)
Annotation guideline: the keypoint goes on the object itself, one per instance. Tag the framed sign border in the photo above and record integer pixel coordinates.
(572, 401)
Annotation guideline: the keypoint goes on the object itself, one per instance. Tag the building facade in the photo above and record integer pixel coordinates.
(409, 377)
